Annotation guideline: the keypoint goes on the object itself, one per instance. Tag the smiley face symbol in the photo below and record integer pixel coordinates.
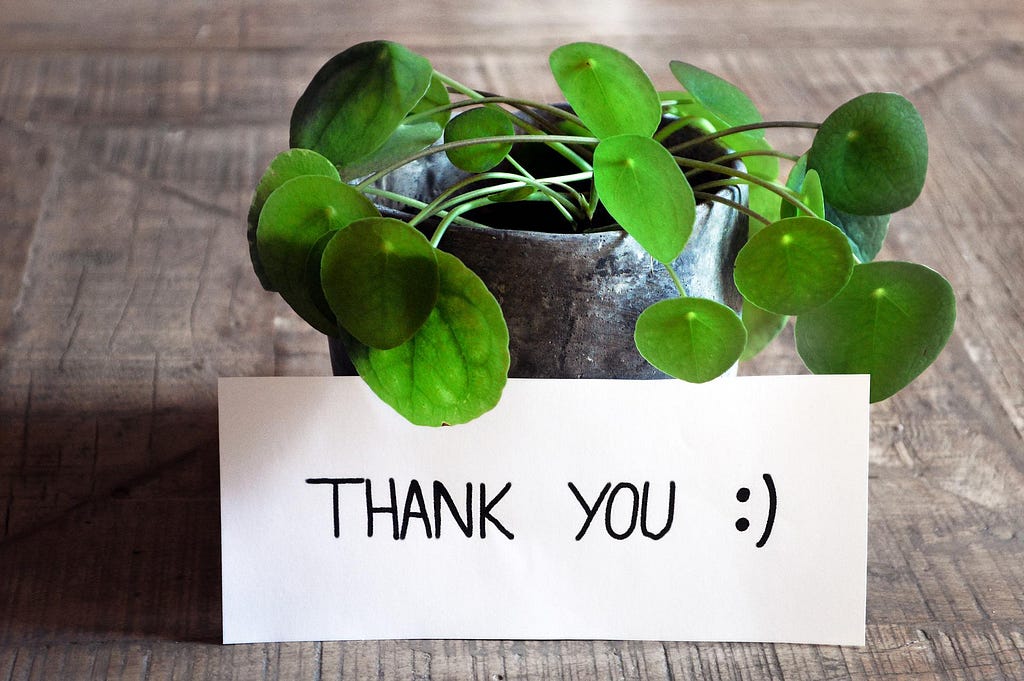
(743, 495)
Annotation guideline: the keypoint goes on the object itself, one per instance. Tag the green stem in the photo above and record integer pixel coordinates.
(773, 187)
(401, 198)
(593, 202)
(706, 196)
(743, 128)
(451, 217)
(500, 139)
(544, 186)
(441, 203)
(457, 86)
(560, 202)
(756, 152)
(519, 168)
(675, 280)
(526, 106)
(475, 96)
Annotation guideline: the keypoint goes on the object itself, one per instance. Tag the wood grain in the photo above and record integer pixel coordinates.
(131, 135)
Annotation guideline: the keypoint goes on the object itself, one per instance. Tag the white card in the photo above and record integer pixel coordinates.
(548, 517)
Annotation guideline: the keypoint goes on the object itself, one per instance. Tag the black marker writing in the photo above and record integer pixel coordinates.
(638, 508)
(485, 511)
(415, 507)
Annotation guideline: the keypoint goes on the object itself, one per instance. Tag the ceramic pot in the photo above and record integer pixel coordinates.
(571, 300)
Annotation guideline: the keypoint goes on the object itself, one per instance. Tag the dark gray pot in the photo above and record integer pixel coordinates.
(571, 300)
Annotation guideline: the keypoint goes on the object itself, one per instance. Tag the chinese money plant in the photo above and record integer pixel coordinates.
(428, 337)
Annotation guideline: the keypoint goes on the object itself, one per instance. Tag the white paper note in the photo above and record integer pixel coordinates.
(576, 509)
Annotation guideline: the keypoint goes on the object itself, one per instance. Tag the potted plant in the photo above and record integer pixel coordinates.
(390, 160)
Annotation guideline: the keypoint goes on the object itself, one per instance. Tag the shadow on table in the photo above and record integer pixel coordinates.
(139, 558)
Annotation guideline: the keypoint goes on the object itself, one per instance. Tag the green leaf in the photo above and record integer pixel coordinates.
(455, 367)
(762, 328)
(865, 232)
(474, 124)
(379, 276)
(721, 97)
(806, 185)
(435, 97)
(609, 91)
(794, 265)
(793, 183)
(285, 166)
(871, 154)
(312, 274)
(694, 339)
(413, 134)
(407, 139)
(358, 99)
(765, 203)
(644, 190)
(294, 218)
(891, 321)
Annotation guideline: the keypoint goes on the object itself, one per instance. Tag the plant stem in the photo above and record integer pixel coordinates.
(557, 200)
(475, 96)
(544, 186)
(401, 198)
(452, 216)
(773, 187)
(743, 128)
(441, 202)
(675, 280)
(500, 139)
(525, 105)
(756, 152)
(707, 196)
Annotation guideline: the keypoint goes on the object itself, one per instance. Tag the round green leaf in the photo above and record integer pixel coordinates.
(474, 124)
(609, 91)
(720, 96)
(314, 291)
(807, 187)
(294, 218)
(645, 191)
(435, 97)
(455, 367)
(871, 154)
(793, 265)
(694, 339)
(412, 134)
(379, 276)
(285, 166)
(793, 183)
(762, 328)
(358, 99)
(891, 321)
(865, 232)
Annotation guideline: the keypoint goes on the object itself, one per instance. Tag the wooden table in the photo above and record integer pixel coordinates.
(131, 136)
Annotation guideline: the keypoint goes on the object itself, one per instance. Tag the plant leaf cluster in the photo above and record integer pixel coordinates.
(428, 337)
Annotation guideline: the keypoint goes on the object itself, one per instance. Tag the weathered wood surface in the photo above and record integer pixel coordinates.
(131, 135)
